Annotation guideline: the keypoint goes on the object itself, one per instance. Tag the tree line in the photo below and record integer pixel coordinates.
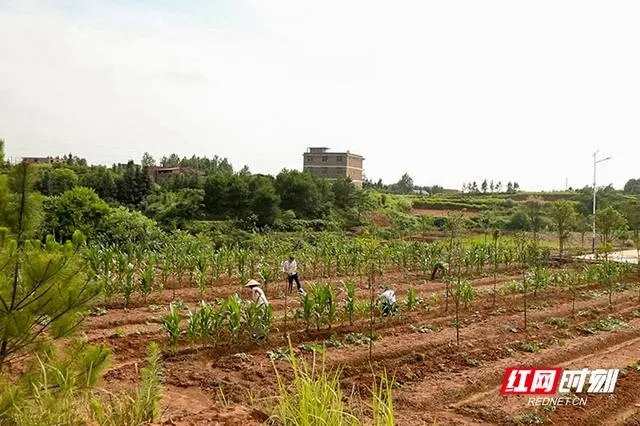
(490, 187)
(205, 190)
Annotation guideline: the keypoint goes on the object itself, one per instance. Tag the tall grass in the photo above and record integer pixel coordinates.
(315, 398)
(382, 402)
(140, 405)
(61, 391)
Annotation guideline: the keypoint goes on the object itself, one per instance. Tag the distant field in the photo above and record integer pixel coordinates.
(434, 212)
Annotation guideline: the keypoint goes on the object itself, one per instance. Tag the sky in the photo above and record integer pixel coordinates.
(446, 91)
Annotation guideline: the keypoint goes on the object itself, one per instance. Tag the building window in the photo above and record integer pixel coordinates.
(325, 158)
(324, 170)
(309, 159)
(339, 158)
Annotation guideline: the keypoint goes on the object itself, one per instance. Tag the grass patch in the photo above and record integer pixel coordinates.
(310, 347)
(529, 347)
(558, 322)
(608, 324)
(425, 328)
(334, 342)
(360, 339)
(531, 419)
(279, 354)
(472, 362)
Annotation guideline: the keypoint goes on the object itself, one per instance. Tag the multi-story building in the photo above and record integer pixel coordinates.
(41, 160)
(333, 165)
(159, 174)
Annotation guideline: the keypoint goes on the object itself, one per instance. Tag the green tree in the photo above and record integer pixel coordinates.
(134, 185)
(227, 196)
(102, 180)
(632, 186)
(404, 185)
(299, 192)
(534, 208)
(265, 202)
(631, 212)
(1, 153)
(608, 221)
(147, 160)
(564, 215)
(56, 180)
(43, 289)
(79, 209)
(484, 186)
(582, 225)
(121, 227)
(344, 193)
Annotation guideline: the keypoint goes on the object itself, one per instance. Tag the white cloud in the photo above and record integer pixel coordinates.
(447, 91)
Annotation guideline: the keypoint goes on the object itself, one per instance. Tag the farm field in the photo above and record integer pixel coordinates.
(437, 381)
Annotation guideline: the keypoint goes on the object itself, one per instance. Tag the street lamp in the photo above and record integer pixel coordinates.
(593, 237)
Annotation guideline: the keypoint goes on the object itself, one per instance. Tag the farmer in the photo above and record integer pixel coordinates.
(388, 304)
(290, 267)
(260, 299)
(439, 266)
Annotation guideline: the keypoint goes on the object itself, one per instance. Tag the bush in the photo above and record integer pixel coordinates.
(122, 226)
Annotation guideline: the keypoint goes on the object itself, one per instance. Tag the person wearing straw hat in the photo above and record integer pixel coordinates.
(257, 294)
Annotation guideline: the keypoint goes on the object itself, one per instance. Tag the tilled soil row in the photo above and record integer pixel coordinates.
(126, 345)
(237, 379)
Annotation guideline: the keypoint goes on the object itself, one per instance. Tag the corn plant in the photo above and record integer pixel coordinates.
(128, 286)
(201, 277)
(146, 280)
(350, 301)
(307, 308)
(210, 322)
(330, 301)
(193, 326)
(465, 293)
(267, 319)
(496, 237)
(232, 314)
(319, 304)
(412, 299)
(164, 273)
(252, 319)
(266, 274)
(540, 279)
(216, 266)
(171, 323)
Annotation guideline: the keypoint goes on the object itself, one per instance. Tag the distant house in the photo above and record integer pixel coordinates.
(159, 174)
(333, 165)
(41, 160)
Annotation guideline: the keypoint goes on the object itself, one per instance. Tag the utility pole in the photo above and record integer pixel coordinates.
(593, 237)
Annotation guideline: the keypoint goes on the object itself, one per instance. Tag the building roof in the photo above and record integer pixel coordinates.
(350, 154)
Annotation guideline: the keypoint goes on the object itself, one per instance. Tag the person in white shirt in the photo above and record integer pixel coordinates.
(388, 304)
(290, 267)
(257, 294)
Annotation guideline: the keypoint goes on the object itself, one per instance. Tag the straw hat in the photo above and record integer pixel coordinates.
(252, 283)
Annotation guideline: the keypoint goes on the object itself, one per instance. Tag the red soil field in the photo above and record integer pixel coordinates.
(438, 381)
